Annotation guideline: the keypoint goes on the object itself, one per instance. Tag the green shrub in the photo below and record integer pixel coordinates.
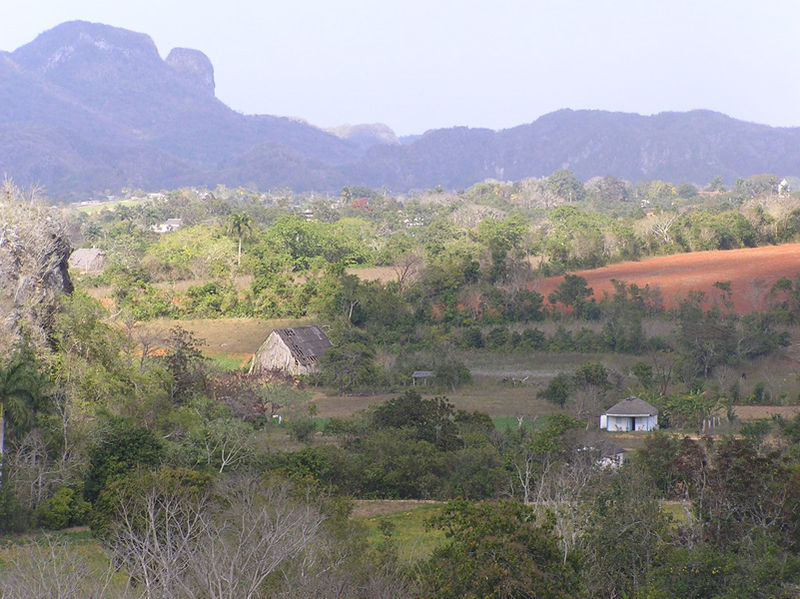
(302, 429)
(497, 338)
(471, 338)
(65, 508)
(122, 448)
(13, 516)
(533, 339)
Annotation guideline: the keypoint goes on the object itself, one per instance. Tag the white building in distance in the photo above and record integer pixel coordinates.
(632, 414)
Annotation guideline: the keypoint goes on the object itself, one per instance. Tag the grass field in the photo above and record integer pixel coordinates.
(97, 207)
(495, 400)
(413, 539)
(505, 385)
(384, 274)
(761, 412)
(232, 337)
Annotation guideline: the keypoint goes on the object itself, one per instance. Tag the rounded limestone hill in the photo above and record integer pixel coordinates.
(751, 272)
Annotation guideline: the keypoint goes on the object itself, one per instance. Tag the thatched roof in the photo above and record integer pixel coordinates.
(633, 406)
(306, 343)
(87, 259)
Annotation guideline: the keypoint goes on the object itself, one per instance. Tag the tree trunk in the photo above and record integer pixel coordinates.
(2, 442)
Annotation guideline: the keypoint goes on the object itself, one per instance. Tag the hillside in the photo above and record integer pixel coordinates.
(693, 146)
(751, 271)
(89, 109)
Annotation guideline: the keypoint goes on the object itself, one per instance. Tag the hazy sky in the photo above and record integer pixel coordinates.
(422, 64)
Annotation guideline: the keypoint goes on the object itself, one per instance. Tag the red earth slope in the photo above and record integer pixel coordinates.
(751, 271)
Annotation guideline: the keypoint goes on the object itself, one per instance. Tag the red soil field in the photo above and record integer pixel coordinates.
(751, 271)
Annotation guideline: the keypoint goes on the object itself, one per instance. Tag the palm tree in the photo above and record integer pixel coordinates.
(19, 391)
(242, 226)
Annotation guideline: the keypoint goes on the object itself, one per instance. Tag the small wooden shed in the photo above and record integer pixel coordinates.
(292, 351)
(422, 376)
(631, 414)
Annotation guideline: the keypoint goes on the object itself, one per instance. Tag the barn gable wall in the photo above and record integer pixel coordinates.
(275, 355)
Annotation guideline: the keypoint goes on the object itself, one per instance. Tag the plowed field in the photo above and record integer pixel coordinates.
(751, 271)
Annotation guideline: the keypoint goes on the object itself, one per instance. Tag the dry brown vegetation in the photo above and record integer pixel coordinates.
(230, 336)
(759, 412)
(370, 508)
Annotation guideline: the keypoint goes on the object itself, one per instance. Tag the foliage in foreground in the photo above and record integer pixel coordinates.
(496, 550)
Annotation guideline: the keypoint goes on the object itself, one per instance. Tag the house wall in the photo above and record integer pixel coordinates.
(647, 424)
(618, 423)
(275, 355)
(623, 423)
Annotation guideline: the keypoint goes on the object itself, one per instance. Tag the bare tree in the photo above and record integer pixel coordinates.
(406, 268)
(221, 545)
(225, 442)
(34, 474)
(757, 291)
(524, 465)
(155, 538)
(664, 364)
(145, 338)
(249, 539)
(53, 569)
(567, 487)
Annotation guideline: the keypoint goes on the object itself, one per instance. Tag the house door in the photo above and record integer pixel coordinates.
(631, 423)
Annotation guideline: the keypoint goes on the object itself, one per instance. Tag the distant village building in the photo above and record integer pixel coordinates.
(611, 456)
(169, 225)
(87, 260)
(422, 376)
(632, 414)
(292, 351)
(605, 454)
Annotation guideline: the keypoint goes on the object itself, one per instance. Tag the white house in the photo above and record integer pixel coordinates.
(632, 414)
(168, 226)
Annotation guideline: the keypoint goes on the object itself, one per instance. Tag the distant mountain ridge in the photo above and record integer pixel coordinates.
(692, 146)
(88, 108)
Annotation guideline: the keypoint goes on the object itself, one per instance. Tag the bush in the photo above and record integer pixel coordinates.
(760, 395)
(13, 516)
(533, 339)
(349, 366)
(471, 338)
(302, 429)
(122, 448)
(497, 338)
(65, 508)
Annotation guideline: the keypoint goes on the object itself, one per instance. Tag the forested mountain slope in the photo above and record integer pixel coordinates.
(88, 108)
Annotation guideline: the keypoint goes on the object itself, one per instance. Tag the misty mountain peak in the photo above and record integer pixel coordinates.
(365, 136)
(71, 45)
(194, 65)
(89, 107)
